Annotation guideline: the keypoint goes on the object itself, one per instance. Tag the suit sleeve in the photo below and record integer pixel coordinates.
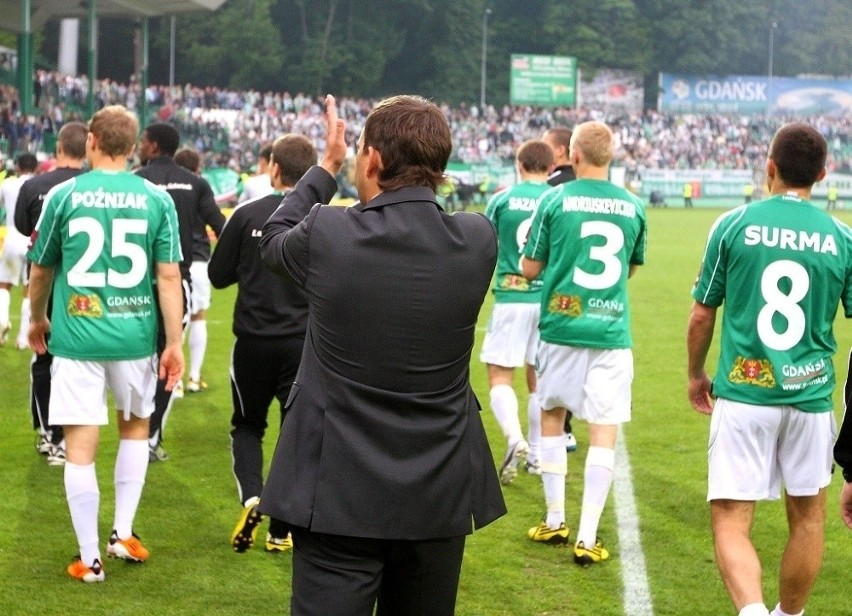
(290, 223)
(222, 267)
(208, 210)
(843, 446)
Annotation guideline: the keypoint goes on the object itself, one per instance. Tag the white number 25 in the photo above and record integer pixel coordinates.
(81, 274)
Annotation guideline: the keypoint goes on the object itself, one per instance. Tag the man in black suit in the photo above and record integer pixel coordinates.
(382, 467)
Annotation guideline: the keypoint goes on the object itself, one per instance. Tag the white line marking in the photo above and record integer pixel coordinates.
(634, 576)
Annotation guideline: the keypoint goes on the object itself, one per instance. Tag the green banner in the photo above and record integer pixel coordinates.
(224, 183)
(549, 81)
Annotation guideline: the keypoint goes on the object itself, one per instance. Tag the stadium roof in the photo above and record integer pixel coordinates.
(42, 10)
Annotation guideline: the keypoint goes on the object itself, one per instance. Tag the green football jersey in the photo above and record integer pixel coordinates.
(588, 233)
(511, 213)
(103, 232)
(780, 266)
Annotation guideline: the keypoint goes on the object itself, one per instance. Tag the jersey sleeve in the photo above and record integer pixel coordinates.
(492, 208)
(638, 256)
(846, 297)
(222, 269)
(538, 242)
(710, 286)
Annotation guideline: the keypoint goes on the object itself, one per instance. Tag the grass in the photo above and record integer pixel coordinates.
(190, 502)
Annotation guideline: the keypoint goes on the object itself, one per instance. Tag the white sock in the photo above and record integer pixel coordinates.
(84, 498)
(197, 347)
(554, 467)
(779, 612)
(24, 330)
(504, 403)
(534, 427)
(5, 302)
(754, 609)
(131, 466)
(596, 484)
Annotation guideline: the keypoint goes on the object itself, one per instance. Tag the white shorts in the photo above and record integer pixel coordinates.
(512, 336)
(753, 449)
(13, 265)
(200, 297)
(594, 384)
(78, 390)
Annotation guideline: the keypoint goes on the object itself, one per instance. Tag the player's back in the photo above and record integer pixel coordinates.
(781, 266)
(103, 230)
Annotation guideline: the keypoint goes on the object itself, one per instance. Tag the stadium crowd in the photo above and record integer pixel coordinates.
(229, 126)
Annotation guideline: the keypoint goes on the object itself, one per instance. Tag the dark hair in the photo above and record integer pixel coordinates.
(265, 153)
(115, 129)
(560, 136)
(188, 159)
(413, 138)
(26, 162)
(535, 156)
(294, 155)
(72, 136)
(799, 152)
(165, 136)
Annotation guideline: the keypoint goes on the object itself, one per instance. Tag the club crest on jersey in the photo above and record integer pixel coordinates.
(567, 305)
(85, 306)
(748, 371)
(513, 282)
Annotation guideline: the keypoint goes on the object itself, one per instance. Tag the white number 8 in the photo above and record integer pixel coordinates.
(787, 305)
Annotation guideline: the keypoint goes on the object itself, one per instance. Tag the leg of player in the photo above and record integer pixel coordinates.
(83, 496)
(736, 557)
(802, 558)
(504, 403)
(5, 302)
(597, 480)
(131, 468)
(21, 341)
(533, 425)
(197, 349)
(554, 468)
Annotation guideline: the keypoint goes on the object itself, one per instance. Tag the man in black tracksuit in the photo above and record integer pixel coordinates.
(270, 318)
(70, 154)
(194, 202)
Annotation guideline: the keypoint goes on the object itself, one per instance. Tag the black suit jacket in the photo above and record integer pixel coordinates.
(383, 436)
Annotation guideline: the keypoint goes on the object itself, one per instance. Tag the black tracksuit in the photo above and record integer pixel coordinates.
(195, 205)
(270, 318)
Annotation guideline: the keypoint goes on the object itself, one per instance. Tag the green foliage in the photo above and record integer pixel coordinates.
(433, 47)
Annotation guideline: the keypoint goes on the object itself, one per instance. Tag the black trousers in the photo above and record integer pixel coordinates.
(262, 369)
(349, 576)
(162, 398)
(40, 396)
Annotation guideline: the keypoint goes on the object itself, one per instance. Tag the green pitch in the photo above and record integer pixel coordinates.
(190, 502)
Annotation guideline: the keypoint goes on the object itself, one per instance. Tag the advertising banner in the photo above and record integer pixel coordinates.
(548, 81)
(746, 95)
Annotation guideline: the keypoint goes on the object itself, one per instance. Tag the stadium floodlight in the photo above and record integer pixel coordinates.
(484, 60)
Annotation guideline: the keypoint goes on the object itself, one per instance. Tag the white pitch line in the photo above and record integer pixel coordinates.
(634, 576)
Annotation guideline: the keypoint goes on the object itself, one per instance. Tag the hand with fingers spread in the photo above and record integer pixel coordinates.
(335, 148)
